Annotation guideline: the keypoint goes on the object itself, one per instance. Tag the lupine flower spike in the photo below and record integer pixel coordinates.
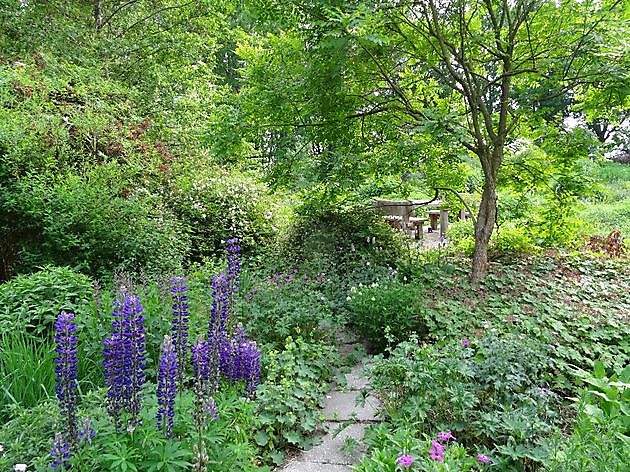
(66, 370)
(180, 324)
(60, 452)
(124, 360)
(167, 387)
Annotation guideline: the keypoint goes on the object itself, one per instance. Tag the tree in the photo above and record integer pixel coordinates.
(462, 71)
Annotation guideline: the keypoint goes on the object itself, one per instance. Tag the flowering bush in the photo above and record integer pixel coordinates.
(491, 393)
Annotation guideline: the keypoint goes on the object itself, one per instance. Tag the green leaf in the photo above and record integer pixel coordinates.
(261, 438)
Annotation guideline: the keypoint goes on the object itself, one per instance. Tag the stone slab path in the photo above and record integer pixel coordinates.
(345, 422)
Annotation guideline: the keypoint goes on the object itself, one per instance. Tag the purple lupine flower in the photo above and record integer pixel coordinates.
(444, 436)
(239, 359)
(437, 451)
(124, 359)
(233, 251)
(113, 369)
(204, 382)
(483, 458)
(220, 310)
(180, 324)
(167, 387)
(59, 452)
(66, 370)
(137, 361)
(251, 367)
(86, 432)
(405, 460)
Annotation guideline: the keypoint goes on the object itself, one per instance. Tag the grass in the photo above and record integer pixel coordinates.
(609, 209)
(27, 373)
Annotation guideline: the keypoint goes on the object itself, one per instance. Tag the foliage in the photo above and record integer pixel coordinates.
(107, 225)
(339, 232)
(31, 303)
(489, 391)
(215, 205)
(26, 438)
(599, 440)
(386, 446)
(27, 435)
(511, 240)
(287, 304)
(26, 372)
(296, 380)
(395, 308)
(562, 301)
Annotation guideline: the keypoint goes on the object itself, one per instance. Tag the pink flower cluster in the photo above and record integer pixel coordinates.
(405, 460)
(437, 448)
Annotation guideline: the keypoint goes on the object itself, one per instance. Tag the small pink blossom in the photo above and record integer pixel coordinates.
(437, 451)
(482, 458)
(446, 436)
(405, 460)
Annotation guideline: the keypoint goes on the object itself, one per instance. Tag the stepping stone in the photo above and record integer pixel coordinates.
(330, 451)
(314, 467)
(355, 379)
(341, 406)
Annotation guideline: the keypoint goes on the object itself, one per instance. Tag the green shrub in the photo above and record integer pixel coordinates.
(215, 205)
(490, 393)
(287, 304)
(511, 240)
(393, 307)
(32, 302)
(461, 237)
(340, 234)
(97, 224)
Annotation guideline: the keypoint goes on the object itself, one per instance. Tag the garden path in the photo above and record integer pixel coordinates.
(345, 423)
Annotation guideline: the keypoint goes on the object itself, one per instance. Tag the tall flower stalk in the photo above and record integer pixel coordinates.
(125, 360)
(205, 378)
(180, 323)
(233, 251)
(67, 391)
(167, 387)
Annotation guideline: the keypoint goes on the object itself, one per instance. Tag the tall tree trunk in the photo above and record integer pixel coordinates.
(483, 229)
(98, 14)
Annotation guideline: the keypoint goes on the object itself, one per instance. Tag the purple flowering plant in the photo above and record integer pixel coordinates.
(167, 386)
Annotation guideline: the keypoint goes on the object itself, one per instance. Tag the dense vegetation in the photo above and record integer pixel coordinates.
(186, 226)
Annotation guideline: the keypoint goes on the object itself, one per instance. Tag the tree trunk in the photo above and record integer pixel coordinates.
(483, 229)
(98, 14)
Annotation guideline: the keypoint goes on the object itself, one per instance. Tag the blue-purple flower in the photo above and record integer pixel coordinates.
(233, 251)
(167, 387)
(66, 370)
(59, 452)
(205, 380)
(124, 360)
(180, 324)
